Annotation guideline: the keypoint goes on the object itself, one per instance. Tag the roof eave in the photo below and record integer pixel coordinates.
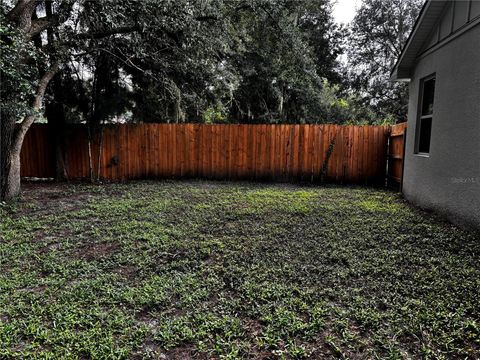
(400, 74)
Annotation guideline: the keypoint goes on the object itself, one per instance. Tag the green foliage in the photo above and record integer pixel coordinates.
(282, 50)
(222, 270)
(216, 61)
(215, 115)
(346, 107)
(18, 71)
(377, 36)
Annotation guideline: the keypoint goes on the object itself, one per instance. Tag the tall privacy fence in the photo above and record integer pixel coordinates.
(331, 153)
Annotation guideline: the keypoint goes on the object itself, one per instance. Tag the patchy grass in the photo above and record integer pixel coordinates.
(182, 270)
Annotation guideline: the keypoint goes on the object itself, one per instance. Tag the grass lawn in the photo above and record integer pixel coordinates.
(179, 270)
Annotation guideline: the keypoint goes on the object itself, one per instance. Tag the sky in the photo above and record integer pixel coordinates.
(344, 10)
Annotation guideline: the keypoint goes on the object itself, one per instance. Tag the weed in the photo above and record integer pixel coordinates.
(233, 270)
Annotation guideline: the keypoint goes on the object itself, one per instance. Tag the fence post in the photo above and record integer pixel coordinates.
(403, 158)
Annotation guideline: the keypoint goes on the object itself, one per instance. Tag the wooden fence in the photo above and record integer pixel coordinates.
(332, 153)
(396, 154)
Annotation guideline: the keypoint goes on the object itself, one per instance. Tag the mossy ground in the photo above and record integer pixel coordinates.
(180, 270)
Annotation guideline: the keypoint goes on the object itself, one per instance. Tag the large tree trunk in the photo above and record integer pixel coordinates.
(11, 181)
(24, 16)
(11, 177)
(7, 127)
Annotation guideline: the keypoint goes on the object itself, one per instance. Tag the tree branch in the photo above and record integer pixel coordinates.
(109, 32)
(21, 14)
(36, 105)
(63, 12)
(206, 18)
(38, 25)
(19, 8)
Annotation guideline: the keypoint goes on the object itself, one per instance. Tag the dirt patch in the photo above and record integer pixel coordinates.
(185, 352)
(31, 290)
(42, 198)
(97, 251)
(149, 350)
(127, 272)
(254, 327)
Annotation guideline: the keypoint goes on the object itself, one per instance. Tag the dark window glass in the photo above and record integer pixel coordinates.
(428, 96)
(424, 125)
(425, 131)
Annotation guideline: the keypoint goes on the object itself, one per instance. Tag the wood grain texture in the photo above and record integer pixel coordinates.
(396, 151)
(254, 152)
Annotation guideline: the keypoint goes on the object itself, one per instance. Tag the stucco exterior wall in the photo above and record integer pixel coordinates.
(448, 180)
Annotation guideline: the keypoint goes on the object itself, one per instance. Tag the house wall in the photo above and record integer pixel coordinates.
(455, 15)
(448, 180)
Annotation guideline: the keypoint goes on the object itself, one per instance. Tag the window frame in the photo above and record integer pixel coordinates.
(421, 117)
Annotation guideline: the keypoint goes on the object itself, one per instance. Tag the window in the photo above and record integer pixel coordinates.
(424, 124)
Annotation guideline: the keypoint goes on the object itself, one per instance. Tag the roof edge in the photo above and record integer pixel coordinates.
(396, 71)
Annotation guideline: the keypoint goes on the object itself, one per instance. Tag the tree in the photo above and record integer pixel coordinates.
(281, 52)
(264, 62)
(162, 61)
(20, 68)
(377, 36)
(77, 33)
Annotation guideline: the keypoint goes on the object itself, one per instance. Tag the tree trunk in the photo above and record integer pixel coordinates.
(280, 103)
(100, 148)
(7, 127)
(21, 14)
(12, 184)
(11, 177)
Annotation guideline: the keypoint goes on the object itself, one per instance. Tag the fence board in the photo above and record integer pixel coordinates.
(396, 150)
